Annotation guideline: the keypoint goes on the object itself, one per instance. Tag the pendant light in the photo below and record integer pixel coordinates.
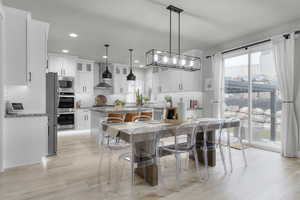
(106, 74)
(131, 76)
(170, 59)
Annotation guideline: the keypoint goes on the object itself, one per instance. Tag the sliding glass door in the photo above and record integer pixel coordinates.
(252, 95)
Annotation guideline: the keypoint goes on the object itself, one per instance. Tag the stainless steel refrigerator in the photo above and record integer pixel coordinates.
(52, 100)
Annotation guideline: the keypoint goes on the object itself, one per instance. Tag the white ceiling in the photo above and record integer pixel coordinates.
(143, 24)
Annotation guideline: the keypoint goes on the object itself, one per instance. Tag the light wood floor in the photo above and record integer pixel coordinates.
(73, 174)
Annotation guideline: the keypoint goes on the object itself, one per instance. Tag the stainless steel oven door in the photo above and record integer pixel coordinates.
(66, 102)
(66, 121)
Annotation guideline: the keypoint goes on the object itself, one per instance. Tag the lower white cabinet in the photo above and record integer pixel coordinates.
(83, 119)
(25, 140)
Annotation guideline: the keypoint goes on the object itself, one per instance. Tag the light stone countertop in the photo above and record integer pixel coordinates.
(20, 115)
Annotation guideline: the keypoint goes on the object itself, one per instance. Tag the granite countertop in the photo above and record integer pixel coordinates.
(20, 115)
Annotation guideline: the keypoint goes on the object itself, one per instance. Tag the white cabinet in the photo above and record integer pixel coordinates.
(84, 82)
(16, 46)
(25, 140)
(120, 83)
(83, 119)
(37, 43)
(63, 65)
(25, 47)
(84, 66)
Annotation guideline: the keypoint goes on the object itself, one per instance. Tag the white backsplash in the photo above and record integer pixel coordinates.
(186, 96)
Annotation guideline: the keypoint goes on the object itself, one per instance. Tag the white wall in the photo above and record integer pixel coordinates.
(1, 90)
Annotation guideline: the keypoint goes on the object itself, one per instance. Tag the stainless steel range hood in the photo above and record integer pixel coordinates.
(102, 84)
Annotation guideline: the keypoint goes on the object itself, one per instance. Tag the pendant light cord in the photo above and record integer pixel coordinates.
(130, 50)
(179, 34)
(106, 60)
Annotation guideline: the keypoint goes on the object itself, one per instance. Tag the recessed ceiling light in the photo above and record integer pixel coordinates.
(65, 51)
(73, 35)
(136, 61)
(104, 57)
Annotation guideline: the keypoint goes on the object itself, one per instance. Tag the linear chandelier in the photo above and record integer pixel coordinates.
(169, 59)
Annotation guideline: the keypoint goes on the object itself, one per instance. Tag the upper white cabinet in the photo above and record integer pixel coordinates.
(16, 30)
(25, 46)
(62, 64)
(84, 82)
(37, 43)
(85, 66)
(120, 83)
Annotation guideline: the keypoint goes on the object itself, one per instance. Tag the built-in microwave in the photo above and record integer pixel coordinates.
(66, 84)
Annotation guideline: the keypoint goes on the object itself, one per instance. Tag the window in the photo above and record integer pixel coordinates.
(253, 96)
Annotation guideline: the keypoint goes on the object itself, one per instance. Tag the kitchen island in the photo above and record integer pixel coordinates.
(98, 115)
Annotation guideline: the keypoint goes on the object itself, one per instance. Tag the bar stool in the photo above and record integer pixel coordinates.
(141, 118)
(130, 116)
(150, 114)
(179, 148)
